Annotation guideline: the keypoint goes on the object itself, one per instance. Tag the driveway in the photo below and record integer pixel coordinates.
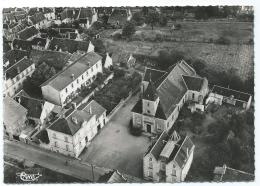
(114, 147)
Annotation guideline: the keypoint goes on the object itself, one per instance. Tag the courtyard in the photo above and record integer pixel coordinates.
(115, 147)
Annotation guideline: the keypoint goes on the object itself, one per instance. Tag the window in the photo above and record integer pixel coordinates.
(78, 81)
(96, 65)
(193, 95)
(148, 104)
(82, 77)
(54, 135)
(91, 69)
(67, 147)
(148, 111)
(66, 90)
(80, 145)
(72, 85)
(173, 172)
(162, 165)
(168, 125)
(150, 163)
(150, 159)
(66, 138)
(55, 144)
(158, 127)
(150, 173)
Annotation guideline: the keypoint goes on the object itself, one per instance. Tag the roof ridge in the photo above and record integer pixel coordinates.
(16, 63)
(232, 89)
(157, 141)
(240, 171)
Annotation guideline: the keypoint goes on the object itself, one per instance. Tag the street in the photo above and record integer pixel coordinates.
(53, 161)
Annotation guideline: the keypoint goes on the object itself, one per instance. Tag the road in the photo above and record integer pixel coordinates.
(53, 161)
(115, 147)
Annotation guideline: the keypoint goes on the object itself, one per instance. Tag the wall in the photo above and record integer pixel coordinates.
(170, 178)
(51, 94)
(47, 108)
(155, 168)
(186, 167)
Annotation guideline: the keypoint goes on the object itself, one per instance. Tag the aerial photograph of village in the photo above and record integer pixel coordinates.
(128, 94)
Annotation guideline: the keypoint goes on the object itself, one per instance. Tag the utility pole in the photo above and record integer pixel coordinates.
(92, 167)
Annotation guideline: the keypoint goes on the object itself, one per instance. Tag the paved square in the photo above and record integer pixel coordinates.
(115, 147)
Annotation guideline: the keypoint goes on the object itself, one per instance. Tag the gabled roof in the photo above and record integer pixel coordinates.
(68, 45)
(14, 56)
(70, 13)
(32, 11)
(138, 108)
(73, 122)
(193, 83)
(159, 145)
(84, 14)
(153, 74)
(28, 33)
(8, 17)
(22, 44)
(34, 106)
(184, 151)
(20, 16)
(13, 112)
(227, 174)
(17, 68)
(64, 78)
(17, 28)
(37, 18)
(227, 92)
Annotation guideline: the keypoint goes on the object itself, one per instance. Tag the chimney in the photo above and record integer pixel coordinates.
(90, 110)
(72, 76)
(19, 100)
(18, 70)
(187, 152)
(74, 120)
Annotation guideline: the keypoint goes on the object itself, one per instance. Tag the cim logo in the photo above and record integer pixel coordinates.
(29, 176)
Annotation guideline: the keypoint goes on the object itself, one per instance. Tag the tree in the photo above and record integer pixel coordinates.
(152, 19)
(138, 18)
(99, 46)
(128, 29)
(163, 20)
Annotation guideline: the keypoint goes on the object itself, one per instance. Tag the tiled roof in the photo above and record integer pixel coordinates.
(119, 15)
(172, 88)
(138, 108)
(20, 16)
(227, 92)
(68, 45)
(36, 18)
(153, 74)
(63, 79)
(71, 124)
(34, 106)
(8, 10)
(32, 11)
(182, 156)
(70, 13)
(159, 145)
(28, 33)
(13, 112)
(20, 65)
(14, 56)
(193, 83)
(47, 10)
(43, 136)
(76, 55)
(85, 13)
(22, 44)
(17, 28)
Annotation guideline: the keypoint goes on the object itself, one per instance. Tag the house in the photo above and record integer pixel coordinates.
(38, 20)
(12, 32)
(38, 43)
(124, 59)
(108, 61)
(14, 117)
(70, 134)
(112, 177)
(163, 95)
(20, 44)
(15, 75)
(169, 159)
(13, 56)
(119, 17)
(220, 95)
(71, 46)
(28, 33)
(69, 15)
(48, 13)
(227, 174)
(65, 85)
(38, 110)
(87, 17)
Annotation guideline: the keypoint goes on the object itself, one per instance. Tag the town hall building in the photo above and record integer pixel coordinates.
(163, 95)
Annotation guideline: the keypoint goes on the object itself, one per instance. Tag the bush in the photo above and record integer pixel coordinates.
(136, 131)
